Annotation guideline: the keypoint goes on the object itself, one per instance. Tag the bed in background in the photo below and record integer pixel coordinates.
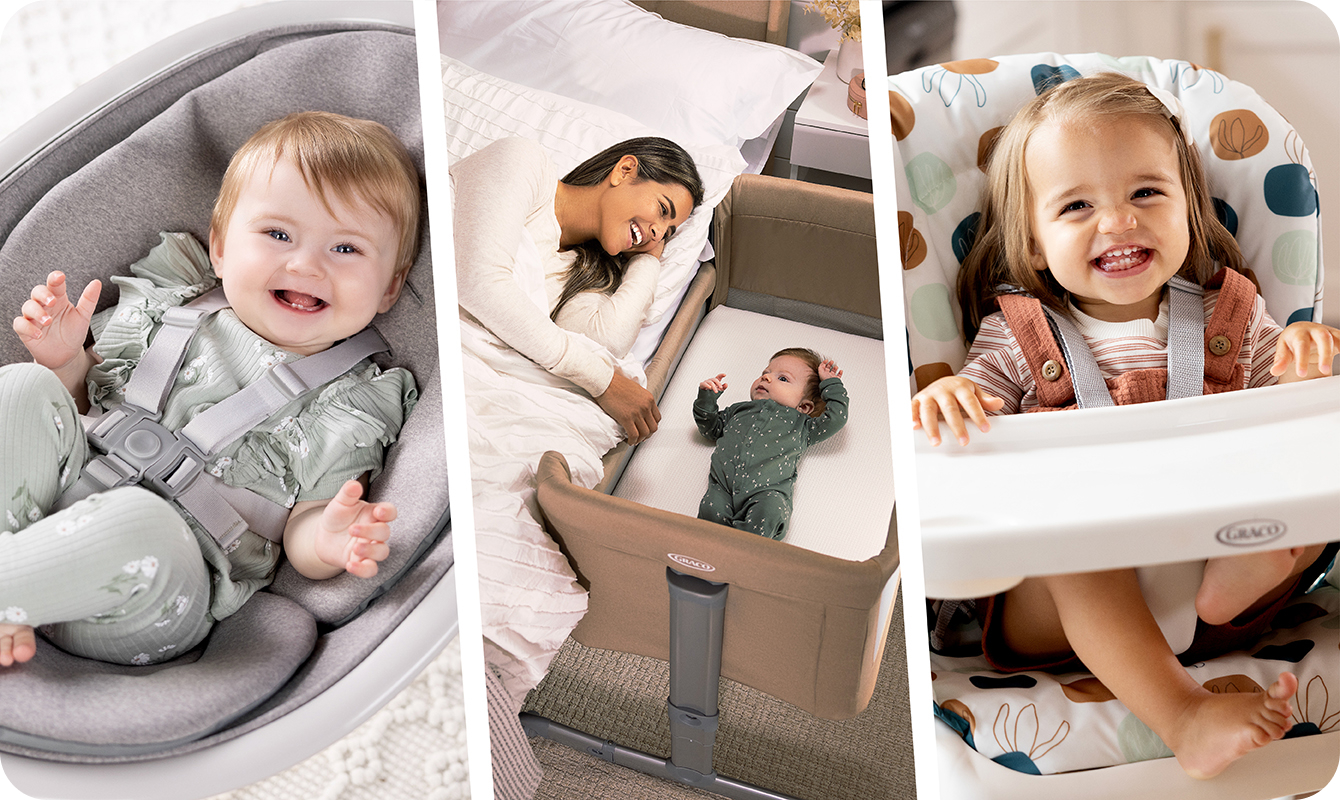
(503, 66)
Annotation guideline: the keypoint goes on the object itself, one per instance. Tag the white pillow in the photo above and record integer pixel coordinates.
(695, 86)
(481, 109)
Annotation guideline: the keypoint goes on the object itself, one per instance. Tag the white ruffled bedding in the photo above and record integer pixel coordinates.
(515, 411)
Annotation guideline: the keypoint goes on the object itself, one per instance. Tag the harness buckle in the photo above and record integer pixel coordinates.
(139, 449)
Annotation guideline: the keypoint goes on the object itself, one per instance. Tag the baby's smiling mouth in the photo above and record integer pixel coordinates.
(298, 300)
(1121, 258)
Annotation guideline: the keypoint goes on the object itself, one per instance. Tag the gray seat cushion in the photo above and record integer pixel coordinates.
(68, 704)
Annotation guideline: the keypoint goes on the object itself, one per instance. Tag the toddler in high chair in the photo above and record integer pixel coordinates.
(1098, 224)
(314, 230)
(799, 400)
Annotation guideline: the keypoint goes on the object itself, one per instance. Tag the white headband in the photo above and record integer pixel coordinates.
(1172, 107)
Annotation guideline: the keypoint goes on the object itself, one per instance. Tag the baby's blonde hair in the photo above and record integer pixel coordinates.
(1000, 254)
(356, 159)
(811, 360)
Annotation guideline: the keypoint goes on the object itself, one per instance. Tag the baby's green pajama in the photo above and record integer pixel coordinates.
(759, 444)
(117, 576)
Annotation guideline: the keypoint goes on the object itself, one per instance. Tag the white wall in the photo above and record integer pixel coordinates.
(808, 32)
(1288, 51)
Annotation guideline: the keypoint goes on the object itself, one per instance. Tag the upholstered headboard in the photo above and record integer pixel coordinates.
(761, 20)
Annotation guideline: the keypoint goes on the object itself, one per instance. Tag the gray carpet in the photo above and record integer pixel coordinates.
(761, 740)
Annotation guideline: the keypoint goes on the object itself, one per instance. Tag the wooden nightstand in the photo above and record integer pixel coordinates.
(827, 136)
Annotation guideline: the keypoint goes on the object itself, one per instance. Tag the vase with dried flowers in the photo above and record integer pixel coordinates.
(843, 16)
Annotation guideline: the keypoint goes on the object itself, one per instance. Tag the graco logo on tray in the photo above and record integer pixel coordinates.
(691, 563)
(1251, 532)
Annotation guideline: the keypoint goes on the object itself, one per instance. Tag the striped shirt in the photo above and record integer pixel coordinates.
(997, 364)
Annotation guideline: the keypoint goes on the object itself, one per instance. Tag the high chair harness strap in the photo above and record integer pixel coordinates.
(133, 448)
(1202, 357)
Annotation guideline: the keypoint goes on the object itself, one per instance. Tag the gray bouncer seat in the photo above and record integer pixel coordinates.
(92, 200)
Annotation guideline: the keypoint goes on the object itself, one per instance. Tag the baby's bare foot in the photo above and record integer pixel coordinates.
(1234, 583)
(17, 644)
(1218, 729)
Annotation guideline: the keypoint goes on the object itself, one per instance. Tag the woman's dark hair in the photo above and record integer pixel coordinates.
(658, 160)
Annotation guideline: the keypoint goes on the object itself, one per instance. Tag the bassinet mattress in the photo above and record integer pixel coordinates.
(1040, 723)
(844, 493)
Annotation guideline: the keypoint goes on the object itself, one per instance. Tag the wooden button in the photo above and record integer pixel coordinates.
(1220, 345)
(1051, 371)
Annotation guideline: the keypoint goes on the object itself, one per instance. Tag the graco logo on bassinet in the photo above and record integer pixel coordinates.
(691, 563)
(1251, 532)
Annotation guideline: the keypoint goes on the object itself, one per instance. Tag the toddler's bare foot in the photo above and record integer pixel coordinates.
(1234, 583)
(1218, 729)
(17, 644)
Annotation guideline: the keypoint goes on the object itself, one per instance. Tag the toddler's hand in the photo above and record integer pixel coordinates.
(714, 384)
(952, 397)
(353, 532)
(828, 369)
(51, 327)
(1305, 344)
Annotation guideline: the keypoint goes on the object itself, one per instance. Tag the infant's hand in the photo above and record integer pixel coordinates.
(714, 384)
(353, 532)
(828, 369)
(952, 397)
(51, 327)
(1305, 344)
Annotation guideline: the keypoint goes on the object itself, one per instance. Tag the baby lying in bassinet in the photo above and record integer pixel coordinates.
(799, 400)
(313, 233)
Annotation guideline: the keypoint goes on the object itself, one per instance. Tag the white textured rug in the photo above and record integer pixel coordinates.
(414, 748)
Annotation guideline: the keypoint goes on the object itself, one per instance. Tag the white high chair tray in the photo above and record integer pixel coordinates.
(1101, 488)
(844, 493)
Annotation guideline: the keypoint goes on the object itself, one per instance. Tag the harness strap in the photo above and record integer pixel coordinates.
(219, 425)
(148, 387)
(1090, 388)
(1186, 339)
(1044, 335)
(137, 449)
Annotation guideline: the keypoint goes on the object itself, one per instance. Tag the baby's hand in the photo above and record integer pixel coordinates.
(353, 532)
(1307, 345)
(714, 384)
(946, 397)
(828, 369)
(51, 327)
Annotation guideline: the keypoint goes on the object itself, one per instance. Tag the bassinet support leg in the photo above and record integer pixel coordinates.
(697, 614)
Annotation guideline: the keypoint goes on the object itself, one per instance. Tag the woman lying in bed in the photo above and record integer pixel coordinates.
(597, 236)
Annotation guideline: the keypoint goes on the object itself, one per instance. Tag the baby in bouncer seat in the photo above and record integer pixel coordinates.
(314, 230)
(1098, 230)
(799, 400)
